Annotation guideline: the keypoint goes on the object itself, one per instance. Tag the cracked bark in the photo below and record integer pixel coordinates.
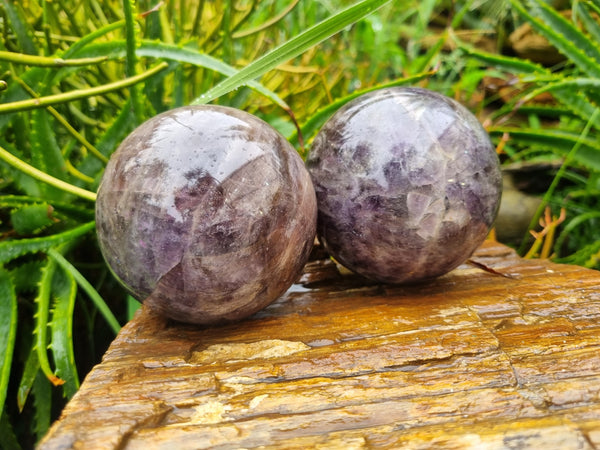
(470, 359)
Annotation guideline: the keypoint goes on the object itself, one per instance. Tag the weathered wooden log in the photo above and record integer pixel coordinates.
(473, 359)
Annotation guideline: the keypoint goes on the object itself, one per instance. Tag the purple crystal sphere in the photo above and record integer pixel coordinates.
(206, 214)
(408, 184)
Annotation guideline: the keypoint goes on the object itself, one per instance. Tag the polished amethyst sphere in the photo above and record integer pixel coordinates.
(408, 184)
(206, 214)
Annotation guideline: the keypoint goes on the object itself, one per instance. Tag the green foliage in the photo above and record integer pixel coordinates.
(571, 135)
(292, 48)
(65, 289)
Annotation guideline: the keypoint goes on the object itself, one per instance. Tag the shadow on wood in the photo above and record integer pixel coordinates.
(472, 359)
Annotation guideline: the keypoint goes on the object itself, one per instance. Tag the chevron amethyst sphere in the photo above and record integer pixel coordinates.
(206, 214)
(408, 184)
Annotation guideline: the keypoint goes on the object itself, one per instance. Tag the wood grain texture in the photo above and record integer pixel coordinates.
(470, 360)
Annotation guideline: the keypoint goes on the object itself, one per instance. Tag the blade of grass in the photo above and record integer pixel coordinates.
(559, 174)
(577, 102)
(245, 16)
(108, 142)
(570, 91)
(227, 41)
(8, 331)
(579, 83)
(19, 26)
(42, 405)
(198, 18)
(422, 63)
(425, 10)
(32, 366)
(15, 92)
(565, 29)
(26, 276)
(45, 152)
(116, 132)
(132, 306)
(14, 201)
(292, 48)
(131, 59)
(594, 5)
(546, 111)
(267, 23)
(583, 12)
(88, 289)
(22, 166)
(65, 123)
(42, 102)
(501, 62)
(9, 437)
(47, 61)
(47, 11)
(461, 13)
(89, 38)
(10, 250)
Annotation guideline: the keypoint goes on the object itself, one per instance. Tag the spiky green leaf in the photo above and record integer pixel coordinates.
(45, 152)
(26, 276)
(32, 367)
(42, 405)
(502, 62)
(9, 437)
(42, 311)
(69, 209)
(585, 12)
(8, 331)
(10, 250)
(587, 155)
(562, 34)
(64, 290)
(18, 24)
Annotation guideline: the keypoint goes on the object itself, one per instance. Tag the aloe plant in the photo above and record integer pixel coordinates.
(573, 138)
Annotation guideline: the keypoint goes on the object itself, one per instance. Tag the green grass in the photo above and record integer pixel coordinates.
(77, 77)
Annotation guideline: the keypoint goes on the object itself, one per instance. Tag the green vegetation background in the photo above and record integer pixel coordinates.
(78, 76)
